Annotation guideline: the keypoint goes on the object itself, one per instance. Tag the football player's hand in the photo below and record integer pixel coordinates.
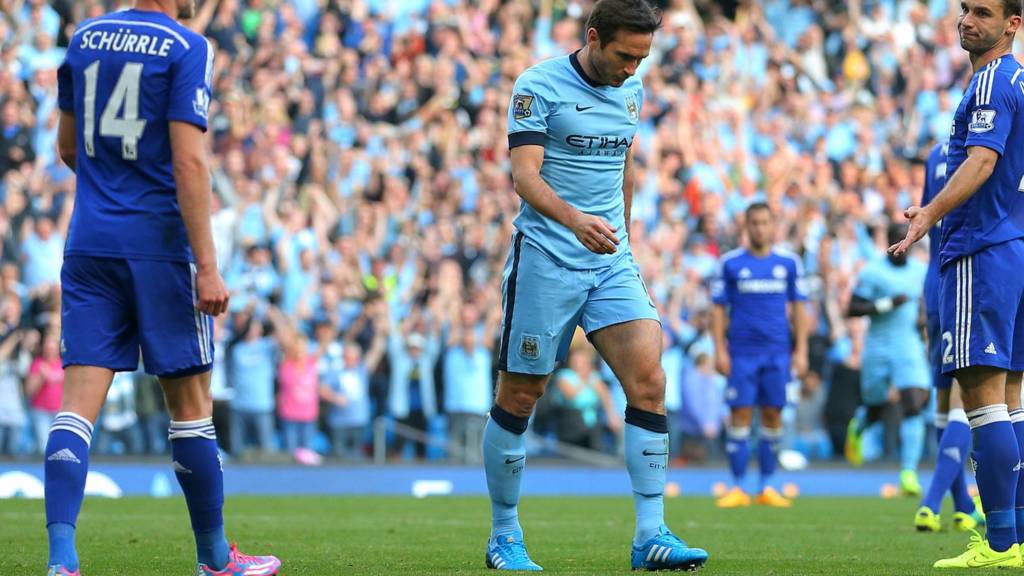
(723, 363)
(213, 294)
(899, 300)
(593, 232)
(920, 222)
(799, 364)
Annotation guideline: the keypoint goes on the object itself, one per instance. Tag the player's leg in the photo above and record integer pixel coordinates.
(874, 394)
(541, 302)
(975, 319)
(913, 401)
(98, 338)
(740, 395)
(1013, 387)
(954, 448)
(775, 374)
(622, 322)
(177, 346)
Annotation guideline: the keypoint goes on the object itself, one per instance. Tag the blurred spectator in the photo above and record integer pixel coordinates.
(251, 369)
(468, 393)
(347, 390)
(12, 404)
(298, 402)
(119, 430)
(151, 408)
(704, 411)
(581, 398)
(44, 386)
(412, 399)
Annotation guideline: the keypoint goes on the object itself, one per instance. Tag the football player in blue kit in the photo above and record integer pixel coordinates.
(981, 208)
(760, 337)
(140, 272)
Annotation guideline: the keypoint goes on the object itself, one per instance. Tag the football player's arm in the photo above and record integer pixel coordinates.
(860, 306)
(67, 143)
(592, 231)
(719, 322)
(628, 183)
(799, 326)
(192, 178)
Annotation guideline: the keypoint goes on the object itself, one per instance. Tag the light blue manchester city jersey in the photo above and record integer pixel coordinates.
(585, 129)
(896, 331)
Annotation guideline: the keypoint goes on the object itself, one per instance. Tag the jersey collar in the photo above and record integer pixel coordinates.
(575, 61)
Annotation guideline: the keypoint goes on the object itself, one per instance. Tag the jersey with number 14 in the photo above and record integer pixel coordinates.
(125, 77)
(991, 115)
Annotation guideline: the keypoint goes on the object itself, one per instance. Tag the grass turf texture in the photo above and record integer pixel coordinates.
(390, 535)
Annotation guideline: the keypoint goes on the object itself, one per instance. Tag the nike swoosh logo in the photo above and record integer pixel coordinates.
(978, 564)
(646, 453)
(513, 460)
(582, 108)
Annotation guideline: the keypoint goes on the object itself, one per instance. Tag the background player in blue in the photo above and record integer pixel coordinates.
(757, 294)
(982, 212)
(889, 291)
(140, 270)
(951, 426)
(572, 121)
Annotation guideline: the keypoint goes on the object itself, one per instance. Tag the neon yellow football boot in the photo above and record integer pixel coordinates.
(853, 443)
(909, 484)
(927, 521)
(980, 555)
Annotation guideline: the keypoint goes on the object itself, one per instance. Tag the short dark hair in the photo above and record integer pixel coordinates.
(1013, 7)
(610, 16)
(758, 206)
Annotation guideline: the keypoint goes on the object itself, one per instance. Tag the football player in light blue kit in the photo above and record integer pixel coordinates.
(758, 293)
(981, 295)
(572, 122)
(951, 426)
(139, 272)
(889, 291)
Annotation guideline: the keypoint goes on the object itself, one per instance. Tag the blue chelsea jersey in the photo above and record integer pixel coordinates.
(586, 130)
(126, 75)
(991, 114)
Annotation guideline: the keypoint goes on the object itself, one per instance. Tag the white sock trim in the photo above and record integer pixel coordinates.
(71, 422)
(958, 415)
(771, 433)
(737, 433)
(988, 415)
(1017, 415)
(942, 419)
(192, 429)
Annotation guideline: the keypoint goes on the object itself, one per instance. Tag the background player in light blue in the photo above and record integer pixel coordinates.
(572, 122)
(140, 272)
(757, 294)
(889, 290)
(981, 297)
(954, 433)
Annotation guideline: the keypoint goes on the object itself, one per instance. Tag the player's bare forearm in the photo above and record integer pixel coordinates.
(718, 325)
(967, 179)
(67, 143)
(192, 178)
(628, 182)
(532, 188)
(971, 175)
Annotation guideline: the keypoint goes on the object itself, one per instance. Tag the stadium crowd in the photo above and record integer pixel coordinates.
(363, 206)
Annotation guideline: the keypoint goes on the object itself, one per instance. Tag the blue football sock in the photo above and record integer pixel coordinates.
(504, 462)
(646, 441)
(996, 457)
(1017, 419)
(768, 455)
(949, 465)
(961, 439)
(65, 469)
(912, 434)
(737, 446)
(198, 468)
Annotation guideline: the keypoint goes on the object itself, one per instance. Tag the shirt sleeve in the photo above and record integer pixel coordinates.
(191, 77)
(65, 87)
(528, 111)
(719, 285)
(865, 287)
(796, 287)
(991, 117)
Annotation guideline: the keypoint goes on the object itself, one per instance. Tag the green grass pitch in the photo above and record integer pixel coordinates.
(446, 535)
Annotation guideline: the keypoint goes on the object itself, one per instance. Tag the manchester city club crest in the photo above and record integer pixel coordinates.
(632, 109)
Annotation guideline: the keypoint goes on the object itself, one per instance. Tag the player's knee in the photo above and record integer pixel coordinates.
(913, 401)
(519, 399)
(771, 418)
(648, 390)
